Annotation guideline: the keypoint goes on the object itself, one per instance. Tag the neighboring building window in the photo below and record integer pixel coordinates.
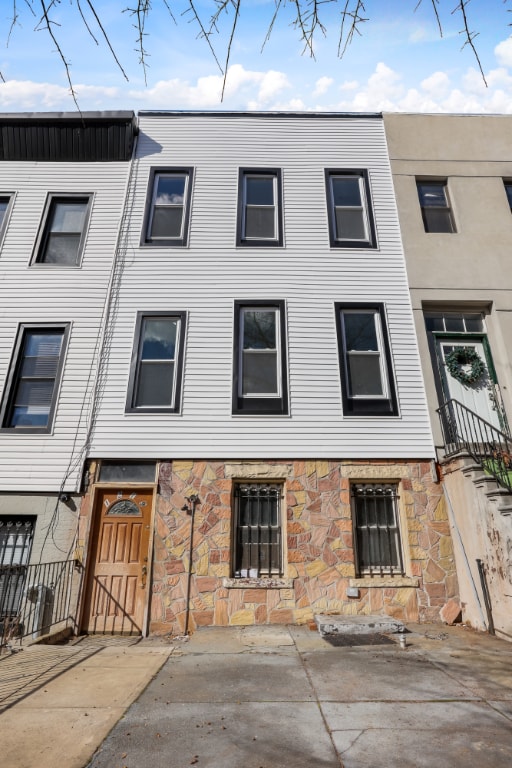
(16, 534)
(157, 363)
(64, 229)
(435, 208)
(258, 536)
(349, 208)
(31, 392)
(259, 207)
(378, 548)
(260, 380)
(5, 209)
(508, 190)
(365, 361)
(168, 207)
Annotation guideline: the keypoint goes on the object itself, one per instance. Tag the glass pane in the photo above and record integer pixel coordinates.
(43, 367)
(364, 374)
(434, 322)
(68, 217)
(4, 202)
(432, 194)
(474, 323)
(61, 249)
(39, 344)
(24, 416)
(350, 224)
(508, 190)
(454, 323)
(437, 220)
(159, 338)
(260, 223)
(346, 191)
(360, 331)
(167, 222)
(259, 375)
(259, 329)
(124, 507)
(143, 472)
(155, 386)
(36, 394)
(259, 190)
(170, 190)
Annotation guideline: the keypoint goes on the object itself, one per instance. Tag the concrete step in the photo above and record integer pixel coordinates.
(358, 625)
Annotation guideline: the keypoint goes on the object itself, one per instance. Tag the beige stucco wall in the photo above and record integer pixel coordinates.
(471, 268)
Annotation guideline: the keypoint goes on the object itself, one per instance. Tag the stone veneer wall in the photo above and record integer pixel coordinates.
(319, 553)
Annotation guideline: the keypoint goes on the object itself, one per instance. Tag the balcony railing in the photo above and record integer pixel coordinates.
(35, 598)
(489, 447)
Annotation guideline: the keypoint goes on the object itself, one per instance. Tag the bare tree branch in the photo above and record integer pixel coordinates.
(470, 36)
(356, 20)
(105, 36)
(48, 25)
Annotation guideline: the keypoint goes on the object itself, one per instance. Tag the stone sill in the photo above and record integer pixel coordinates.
(256, 583)
(387, 582)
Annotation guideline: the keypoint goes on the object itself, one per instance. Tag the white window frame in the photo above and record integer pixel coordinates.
(337, 241)
(277, 353)
(378, 352)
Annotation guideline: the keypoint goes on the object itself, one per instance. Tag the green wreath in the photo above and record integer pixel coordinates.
(465, 356)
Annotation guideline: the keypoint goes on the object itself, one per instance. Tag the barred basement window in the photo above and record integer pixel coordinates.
(378, 548)
(258, 537)
(16, 535)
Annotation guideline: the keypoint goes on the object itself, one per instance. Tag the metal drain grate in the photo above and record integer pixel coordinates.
(339, 639)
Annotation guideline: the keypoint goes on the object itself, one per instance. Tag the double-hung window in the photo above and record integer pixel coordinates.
(5, 209)
(259, 207)
(377, 533)
(349, 209)
(258, 533)
(260, 380)
(33, 382)
(64, 228)
(435, 207)
(157, 362)
(167, 216)
(365, 361)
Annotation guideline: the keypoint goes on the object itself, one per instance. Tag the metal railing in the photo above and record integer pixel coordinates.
(35, 598)
(489, 447)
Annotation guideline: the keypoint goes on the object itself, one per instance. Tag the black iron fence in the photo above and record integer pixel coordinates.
(464, 430)
(35, 598)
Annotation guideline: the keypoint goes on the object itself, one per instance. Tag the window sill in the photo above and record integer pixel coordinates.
(383, 582)
(258, 583)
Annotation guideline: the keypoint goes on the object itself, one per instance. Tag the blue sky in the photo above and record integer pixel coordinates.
(400, 63)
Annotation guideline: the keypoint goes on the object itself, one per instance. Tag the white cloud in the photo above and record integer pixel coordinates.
(436, 84)
(322, 85)
(503, 52)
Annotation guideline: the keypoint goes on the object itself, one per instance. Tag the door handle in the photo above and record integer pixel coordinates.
(144, 573)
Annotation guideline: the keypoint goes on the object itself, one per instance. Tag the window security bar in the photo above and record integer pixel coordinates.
(377, 533)
(258, 543)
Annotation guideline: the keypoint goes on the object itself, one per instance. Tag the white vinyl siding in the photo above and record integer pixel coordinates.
(57, 297)
(208, 277)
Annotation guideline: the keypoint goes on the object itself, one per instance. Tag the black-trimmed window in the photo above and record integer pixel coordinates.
(508, 192)
(260, 370)
(167, 217)
(260, 207)
(157, 362)
(435, 206)
(64, 229)
(258, 547)
(5, 210)
(365, 360)
(349, 208)
(31, 391)
(376, 527)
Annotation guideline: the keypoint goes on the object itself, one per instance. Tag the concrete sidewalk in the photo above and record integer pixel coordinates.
(270, 697)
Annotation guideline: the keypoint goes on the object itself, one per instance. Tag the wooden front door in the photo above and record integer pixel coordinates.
(117, 582)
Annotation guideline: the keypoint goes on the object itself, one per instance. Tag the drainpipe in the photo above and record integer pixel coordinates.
(190, 508)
